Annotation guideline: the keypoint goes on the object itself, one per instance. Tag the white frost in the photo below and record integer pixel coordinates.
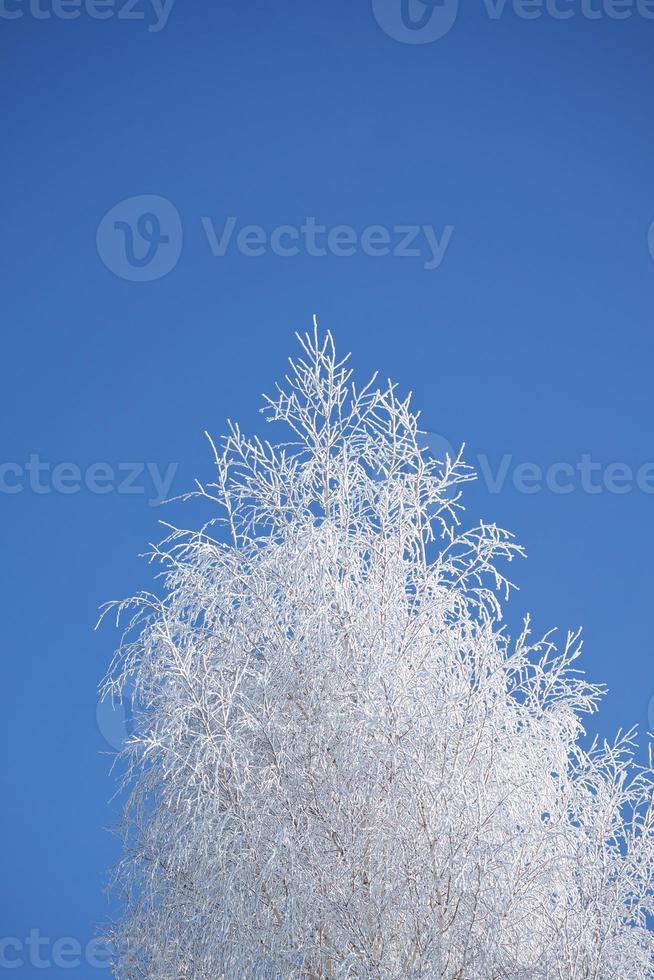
(342, 766)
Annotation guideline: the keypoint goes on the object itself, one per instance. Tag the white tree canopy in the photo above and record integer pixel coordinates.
(342, 766)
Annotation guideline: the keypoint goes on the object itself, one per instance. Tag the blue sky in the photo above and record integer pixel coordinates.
(512, 157)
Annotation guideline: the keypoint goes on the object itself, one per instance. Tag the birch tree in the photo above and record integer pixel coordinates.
(342, 766)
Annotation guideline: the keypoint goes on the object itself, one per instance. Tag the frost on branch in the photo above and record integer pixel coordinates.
(341, 764)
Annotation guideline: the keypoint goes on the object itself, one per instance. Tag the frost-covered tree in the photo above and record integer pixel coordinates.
(341, 764)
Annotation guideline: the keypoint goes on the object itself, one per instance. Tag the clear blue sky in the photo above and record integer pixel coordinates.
(532, 339)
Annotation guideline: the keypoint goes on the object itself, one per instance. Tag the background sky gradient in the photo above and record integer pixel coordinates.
(125, 337)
